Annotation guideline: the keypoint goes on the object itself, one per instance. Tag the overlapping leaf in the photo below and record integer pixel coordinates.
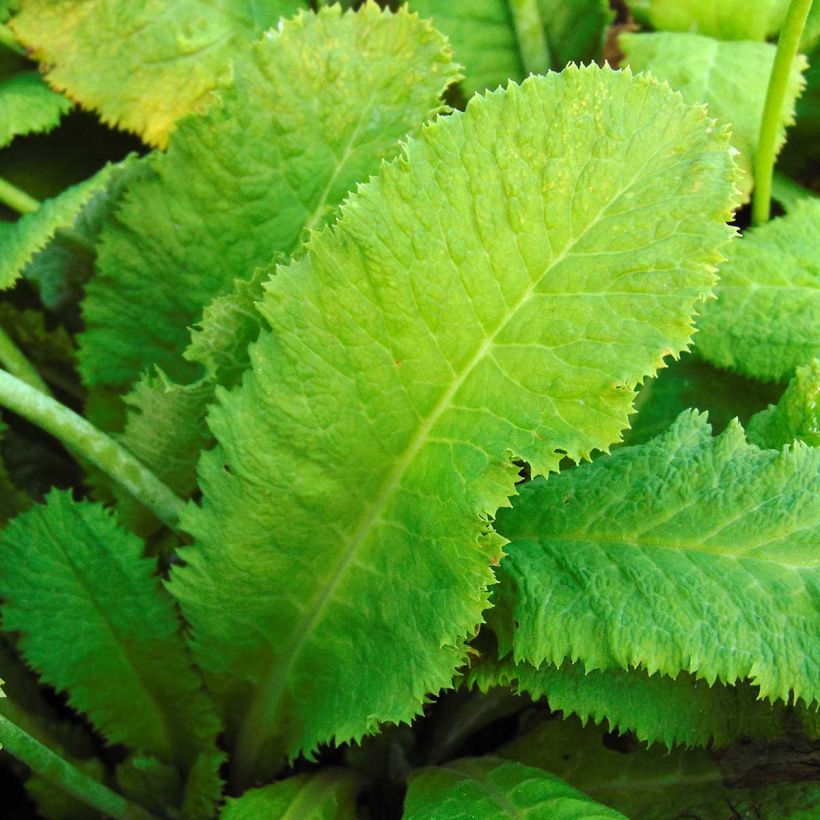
(143, 64)
(724, 19)
(93, 621)
(312, 112)
(730, 77)
(795, 416)
(499, 40)
(491, 788)
(28, 105)
(687, 553)
(766, 320)
(496, 291)
(654, 707)
(330, 794)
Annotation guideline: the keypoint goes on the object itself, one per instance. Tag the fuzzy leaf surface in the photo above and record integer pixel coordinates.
(722, 19)
(494, 292)
(33, 231)
(28, 105)
(766, 320)
(312, 111)
(795, 416)
(494, 789)
(656, 708)
(484, 37)
(142, 64)
(730, 77)
(94, 621)
(689, 553)
(330, 794)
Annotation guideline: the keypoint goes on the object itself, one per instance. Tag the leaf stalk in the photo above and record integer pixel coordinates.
(15, 361)
(17, 199)
(787, 46)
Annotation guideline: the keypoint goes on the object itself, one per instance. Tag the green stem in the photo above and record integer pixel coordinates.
(61, 773)
(87, 441)
(529, 31)
(16, 199)
(8, 40)
(14, 360)
(787, 45)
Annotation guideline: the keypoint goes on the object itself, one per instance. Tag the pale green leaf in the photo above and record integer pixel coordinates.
(329, 794)
(655, 556)
(788, 192)
(724, 19)
(691, 383)
(795, 416)
(652, 784)
(766, 320)
(32, 232)
(653, 707)
(94, 621)
(730, 77)
(142, 64)
(28, 105)
(495, 292)
(493, 789)
(313, 110)
(486, 40)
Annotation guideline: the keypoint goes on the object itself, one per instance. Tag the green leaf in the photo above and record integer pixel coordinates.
(493, 293)
(724, 19)
(493, 789)
(142, 64)
(28, 105)
(486, 40)
(32, 232)
(652, 557)
(654, 707)
(766, 320)
(730, 77)
(95, 622)
(651, 784)
(330, 794)
(12, 500)
(795, 416)
(693, 383)
(313, 110)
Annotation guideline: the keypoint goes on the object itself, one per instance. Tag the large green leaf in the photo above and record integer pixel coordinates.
(724, 19)
(654, 707)
(142, 64)
(766, 320)
(497, 42)
(795, 416)
(28, 105)
(730, 77)
(495, 292)
(312, 111)
(329, 794)
(652, 784)
(654, 556)
(93, 620)
(493, 789)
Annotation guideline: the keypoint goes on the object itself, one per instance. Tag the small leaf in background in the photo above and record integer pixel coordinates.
(795, 417)
(487, 787)
(655, 556)
(765, 322)
(142, 64)
(730, 77)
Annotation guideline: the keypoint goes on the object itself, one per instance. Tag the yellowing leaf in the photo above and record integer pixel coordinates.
(143, 64)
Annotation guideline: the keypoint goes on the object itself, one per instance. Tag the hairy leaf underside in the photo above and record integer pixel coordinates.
(498, 291)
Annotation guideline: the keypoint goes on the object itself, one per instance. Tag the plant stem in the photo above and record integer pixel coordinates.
(529, 31)
(8, 40)
(787, 45)
(16, 199)
(14, 360)
(87, 441)
(61, 773)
